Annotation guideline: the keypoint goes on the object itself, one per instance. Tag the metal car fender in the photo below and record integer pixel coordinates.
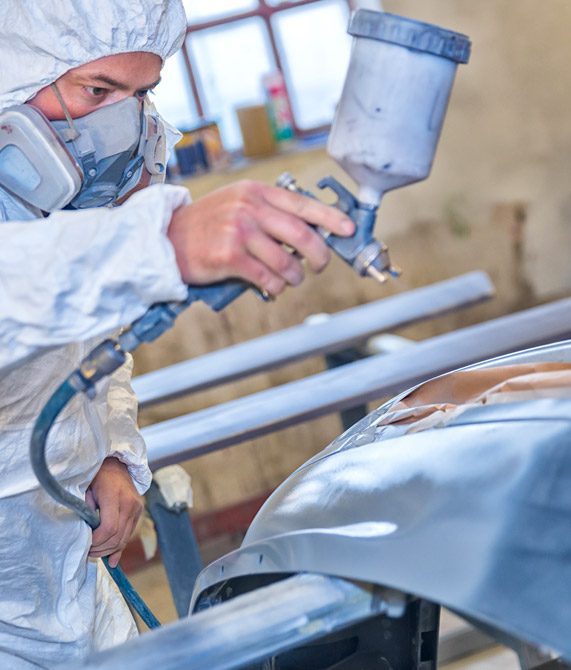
(474, 515)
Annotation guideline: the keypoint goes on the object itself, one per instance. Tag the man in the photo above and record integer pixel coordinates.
(68, 278)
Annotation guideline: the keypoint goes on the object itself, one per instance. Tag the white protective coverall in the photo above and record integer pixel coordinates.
(66, 281)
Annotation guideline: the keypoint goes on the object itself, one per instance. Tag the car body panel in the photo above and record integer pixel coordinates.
(475, 515)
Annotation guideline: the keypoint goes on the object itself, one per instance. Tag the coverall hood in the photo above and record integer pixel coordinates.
(41, 41)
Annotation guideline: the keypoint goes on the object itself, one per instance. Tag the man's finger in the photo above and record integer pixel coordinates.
(127, 532)
(273, 255)
(255, 272)
(116, 537)
(115, 558)
(106, 533)
(310, 210)
(297, 234)
(90, 500)
(109, 530)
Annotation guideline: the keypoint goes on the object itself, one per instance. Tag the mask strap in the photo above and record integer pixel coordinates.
(71, 133)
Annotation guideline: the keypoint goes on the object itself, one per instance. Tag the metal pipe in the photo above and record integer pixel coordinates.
(372, 378)
(342, 330)
(248, 628)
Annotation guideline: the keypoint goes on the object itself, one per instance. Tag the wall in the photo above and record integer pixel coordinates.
(499, 198)
(508, 136)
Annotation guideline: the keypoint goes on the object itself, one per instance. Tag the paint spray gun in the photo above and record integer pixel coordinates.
(384, 136)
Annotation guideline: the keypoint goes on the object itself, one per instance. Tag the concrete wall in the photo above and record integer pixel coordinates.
(499, 198)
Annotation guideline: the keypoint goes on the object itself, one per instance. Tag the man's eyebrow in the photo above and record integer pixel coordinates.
(119, 85)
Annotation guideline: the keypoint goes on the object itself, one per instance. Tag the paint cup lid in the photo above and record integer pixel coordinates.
(411, 34)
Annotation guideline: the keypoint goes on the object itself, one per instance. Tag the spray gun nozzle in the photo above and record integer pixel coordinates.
(362, 251)
(377, 275)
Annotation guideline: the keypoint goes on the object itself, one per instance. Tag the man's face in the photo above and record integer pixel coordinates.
(99, 83)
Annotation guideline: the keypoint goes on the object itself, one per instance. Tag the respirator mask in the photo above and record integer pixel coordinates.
(96, 160)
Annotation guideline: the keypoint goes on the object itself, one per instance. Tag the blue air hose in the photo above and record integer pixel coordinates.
(99, 363)
(54, 406)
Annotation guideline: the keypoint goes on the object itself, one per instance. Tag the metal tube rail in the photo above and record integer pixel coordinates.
(217, 427)
(343, 329)
(248, 628)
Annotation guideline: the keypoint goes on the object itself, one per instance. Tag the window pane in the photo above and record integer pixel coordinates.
(206, 10)
(314, 46)
(173, 97)
(229, 61)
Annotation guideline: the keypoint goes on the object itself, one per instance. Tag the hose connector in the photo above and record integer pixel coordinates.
(99, 363)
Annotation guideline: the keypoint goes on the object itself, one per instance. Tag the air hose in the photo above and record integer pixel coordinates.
(50, 412)
(101, 362)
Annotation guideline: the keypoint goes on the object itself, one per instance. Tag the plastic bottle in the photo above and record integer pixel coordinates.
(279, 108)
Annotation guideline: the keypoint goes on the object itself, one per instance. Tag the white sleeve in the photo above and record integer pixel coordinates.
(81, 274)
(118, 408)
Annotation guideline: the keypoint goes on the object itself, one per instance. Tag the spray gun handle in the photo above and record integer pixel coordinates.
(361, 251)
(160, 317)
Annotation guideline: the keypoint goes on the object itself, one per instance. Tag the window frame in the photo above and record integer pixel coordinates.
(265, 12)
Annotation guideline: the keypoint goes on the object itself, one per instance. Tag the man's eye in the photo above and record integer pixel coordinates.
(96, 91)
(142, 93)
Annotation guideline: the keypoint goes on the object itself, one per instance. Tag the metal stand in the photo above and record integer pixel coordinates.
(350, 415)
(249, 628)
(408, 642)
(531, 658)
(179, 549)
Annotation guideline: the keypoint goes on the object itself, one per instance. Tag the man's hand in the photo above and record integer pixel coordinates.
(239, 231)
(120, 506)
